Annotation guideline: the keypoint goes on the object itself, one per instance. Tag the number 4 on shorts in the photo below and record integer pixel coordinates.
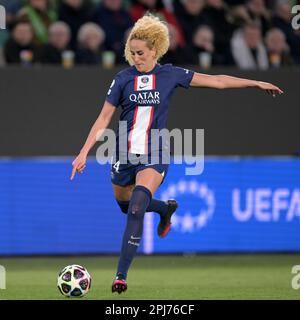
(116, 166)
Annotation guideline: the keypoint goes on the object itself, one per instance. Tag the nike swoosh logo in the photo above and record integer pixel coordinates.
(143, 86)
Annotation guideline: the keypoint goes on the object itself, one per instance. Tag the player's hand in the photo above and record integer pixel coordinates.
(79, 165)
(269, 87)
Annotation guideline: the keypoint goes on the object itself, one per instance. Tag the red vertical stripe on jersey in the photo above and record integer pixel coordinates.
(135, 83)
(148, 128)
(132, 127)
(153, 81)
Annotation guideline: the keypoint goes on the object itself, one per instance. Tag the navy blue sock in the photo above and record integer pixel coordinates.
(158, 206)
(138, 204)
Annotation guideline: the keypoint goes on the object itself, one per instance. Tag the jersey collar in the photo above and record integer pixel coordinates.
(147, 73)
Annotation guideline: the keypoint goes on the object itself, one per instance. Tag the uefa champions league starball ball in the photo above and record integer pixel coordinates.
(74, 281)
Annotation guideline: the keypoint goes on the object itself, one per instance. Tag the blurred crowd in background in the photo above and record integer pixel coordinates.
(249, 34)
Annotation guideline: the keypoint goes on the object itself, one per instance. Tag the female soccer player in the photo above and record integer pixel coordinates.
(143, 91)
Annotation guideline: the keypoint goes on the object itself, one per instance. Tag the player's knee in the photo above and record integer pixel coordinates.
(135, 209)
(141, 197)
(123, 205)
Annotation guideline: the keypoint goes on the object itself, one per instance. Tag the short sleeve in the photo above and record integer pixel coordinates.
(114, 92)
(183, 77)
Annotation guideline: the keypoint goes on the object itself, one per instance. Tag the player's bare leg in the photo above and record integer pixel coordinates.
(123, 193)
(149, 178)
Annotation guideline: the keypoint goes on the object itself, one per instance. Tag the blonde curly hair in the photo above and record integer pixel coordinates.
(154, 31)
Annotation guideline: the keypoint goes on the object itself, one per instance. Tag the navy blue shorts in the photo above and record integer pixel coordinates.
(123, 174)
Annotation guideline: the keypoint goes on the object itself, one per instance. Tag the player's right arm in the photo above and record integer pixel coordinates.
(96, 131)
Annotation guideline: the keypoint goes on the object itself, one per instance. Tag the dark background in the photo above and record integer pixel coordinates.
(49, 111)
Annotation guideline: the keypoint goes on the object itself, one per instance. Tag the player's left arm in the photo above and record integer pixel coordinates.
(226, 82)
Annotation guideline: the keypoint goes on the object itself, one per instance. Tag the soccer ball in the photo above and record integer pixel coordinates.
(74, 281)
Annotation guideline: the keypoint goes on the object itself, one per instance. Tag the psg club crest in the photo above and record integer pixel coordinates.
(145, 80)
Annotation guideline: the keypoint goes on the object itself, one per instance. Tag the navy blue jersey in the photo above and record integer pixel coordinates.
(144, 99)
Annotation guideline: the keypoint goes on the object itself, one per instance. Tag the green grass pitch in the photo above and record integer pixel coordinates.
(261, 276)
